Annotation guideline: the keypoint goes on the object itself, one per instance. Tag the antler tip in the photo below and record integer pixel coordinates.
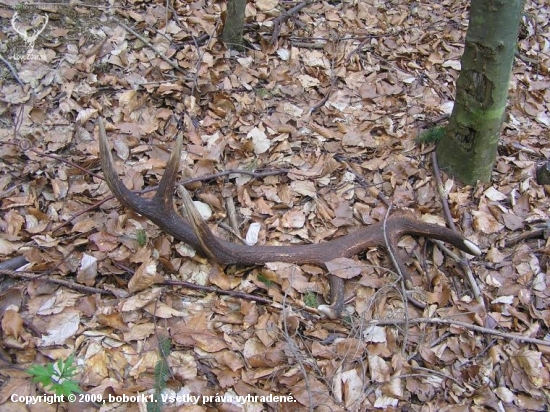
(472, 247)
(328, 311)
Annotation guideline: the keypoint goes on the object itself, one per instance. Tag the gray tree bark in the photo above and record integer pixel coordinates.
(232, 34)
(469, 147)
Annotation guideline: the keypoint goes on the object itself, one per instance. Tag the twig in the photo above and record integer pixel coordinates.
(198, 41)
(13, 263)
(68, 162)
(229, 229)
(231, 213)
(292, 347)
(531, 234)
(210, 289)
(233, 226)
(468, 326)
(442, 195)
(200, 55)
(333, 81)
(327, 94)
(361, 180)
(71, 285)
(96, 49)
(148, 44)
(85, 210)
(364, 40)
(463, 260)
(402, 273)
(305, 45)
(278, 22)
(60, 159)
(12, 70)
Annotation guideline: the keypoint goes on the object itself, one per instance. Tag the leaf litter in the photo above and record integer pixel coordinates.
(357, 80)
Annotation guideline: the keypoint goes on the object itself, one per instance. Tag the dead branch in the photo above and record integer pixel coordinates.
(467, 326)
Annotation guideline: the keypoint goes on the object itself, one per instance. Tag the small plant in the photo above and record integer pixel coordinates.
(263, 93)
(102, 67)
(262, 278)
(347, 320)
(56, 376)
(432, 135)
(310, 299)
(162, 373)
(141, 237)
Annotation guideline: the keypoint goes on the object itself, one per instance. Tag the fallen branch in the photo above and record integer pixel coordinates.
(463, 260)
(148, 44)
(12, 70)
(210, 289)
(468, 326)
(278, 22)
(70, 285)
(13, 263)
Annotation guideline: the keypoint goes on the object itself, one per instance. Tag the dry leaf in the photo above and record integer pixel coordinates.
(486, 223)
(260, 140)
(60, 328)
(88, 270)
(12, 323)
(344, 268)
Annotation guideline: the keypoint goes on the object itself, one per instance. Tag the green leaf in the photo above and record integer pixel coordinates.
(56, 376)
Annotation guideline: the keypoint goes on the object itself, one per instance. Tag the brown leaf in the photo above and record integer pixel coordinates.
(113, 320)
(60, 328)
(293, 219)
(513, 222)
(230, 359)
(12, 323)
(219, 278)
(344, 268)
(104, 241)
(139, 332)
(87, 271)
(486, 223)
(146, 275)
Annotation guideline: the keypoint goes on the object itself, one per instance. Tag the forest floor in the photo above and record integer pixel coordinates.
(334, 101)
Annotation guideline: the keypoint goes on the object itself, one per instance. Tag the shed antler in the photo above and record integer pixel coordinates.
(160, 210)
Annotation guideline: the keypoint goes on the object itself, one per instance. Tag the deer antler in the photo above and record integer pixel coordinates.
(195, 232)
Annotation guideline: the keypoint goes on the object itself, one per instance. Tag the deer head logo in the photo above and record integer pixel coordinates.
(29, 33)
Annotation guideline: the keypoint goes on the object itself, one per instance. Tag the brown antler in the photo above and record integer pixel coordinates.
(160, 209)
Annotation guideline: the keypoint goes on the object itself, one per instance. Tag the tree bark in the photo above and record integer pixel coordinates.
(469, 147)
(232, 34)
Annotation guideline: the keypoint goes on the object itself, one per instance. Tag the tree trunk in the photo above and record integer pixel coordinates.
(232, 34)
(469, 148)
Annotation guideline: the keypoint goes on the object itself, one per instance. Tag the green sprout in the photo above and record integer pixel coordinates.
(56, 376)
(310, 300)
(162, 374)
(141, 237)
(262, 278)
(433, 135)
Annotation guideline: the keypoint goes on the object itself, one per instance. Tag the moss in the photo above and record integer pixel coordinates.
(433, 135)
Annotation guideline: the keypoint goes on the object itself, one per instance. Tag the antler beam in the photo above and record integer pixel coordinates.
(195, 232)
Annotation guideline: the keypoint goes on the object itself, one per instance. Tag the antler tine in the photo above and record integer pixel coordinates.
(160, 208)
(165, 191)
(199, 226)
(121, 192)
(162, 199)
